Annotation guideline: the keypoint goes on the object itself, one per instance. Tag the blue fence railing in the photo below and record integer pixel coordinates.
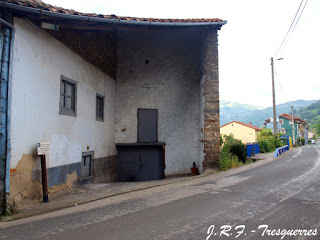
(280, 150)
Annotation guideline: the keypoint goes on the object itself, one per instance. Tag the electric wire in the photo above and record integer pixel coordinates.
(289, 28)
(295, 24)
(285, 95)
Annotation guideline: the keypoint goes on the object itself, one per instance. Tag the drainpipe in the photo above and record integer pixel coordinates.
(8, 31)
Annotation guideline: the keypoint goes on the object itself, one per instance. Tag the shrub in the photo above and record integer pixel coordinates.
(232, 151)
(268, 142)
(284, 141)
(235, 147)
(265, 134)
(303, 140)
(265, 146)
(228, 160)
(269, 145)
(276, 143)
(239, 149)
(221, 140)
(225, 160)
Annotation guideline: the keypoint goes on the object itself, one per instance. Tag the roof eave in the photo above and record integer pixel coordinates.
(104, 20)
(171, 24)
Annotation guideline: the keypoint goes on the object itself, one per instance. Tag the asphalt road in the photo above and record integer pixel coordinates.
(266, 202)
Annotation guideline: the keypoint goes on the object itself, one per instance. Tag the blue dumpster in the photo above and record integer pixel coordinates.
(252, 148)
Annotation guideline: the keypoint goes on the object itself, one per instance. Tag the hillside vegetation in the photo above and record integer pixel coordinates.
(256, 115)
(312, 114)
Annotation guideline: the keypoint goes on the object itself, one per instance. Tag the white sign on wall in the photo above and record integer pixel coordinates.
(43, 148)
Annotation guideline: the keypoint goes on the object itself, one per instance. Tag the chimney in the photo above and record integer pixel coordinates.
(250, 123)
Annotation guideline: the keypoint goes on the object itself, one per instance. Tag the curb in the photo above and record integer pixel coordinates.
(21, 216)
(208, 172)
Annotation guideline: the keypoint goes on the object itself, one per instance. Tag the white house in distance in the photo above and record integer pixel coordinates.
(85, 83)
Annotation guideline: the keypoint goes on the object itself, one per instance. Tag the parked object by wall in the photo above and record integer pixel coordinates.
(252, 148)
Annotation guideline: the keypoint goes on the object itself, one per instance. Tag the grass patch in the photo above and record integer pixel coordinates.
(228, 161)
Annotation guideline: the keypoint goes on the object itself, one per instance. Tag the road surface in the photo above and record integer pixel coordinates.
(272, 201)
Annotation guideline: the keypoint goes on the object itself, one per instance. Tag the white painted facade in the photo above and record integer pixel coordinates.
(39, 60)
(161, 70)
(158, 71)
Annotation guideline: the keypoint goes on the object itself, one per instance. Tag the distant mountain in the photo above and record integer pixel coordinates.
(230, 111)
(311, 113)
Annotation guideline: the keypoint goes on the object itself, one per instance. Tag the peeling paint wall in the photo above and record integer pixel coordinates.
(161, 70)
(22, 184)
(38, 62)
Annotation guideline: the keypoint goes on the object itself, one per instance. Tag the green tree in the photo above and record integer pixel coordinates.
(318, 128)
(265, 134)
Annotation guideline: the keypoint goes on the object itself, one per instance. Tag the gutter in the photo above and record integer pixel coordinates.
(8, 32)
(105, 20)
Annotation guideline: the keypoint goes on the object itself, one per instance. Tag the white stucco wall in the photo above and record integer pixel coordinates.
(161, 70)
(39, 61)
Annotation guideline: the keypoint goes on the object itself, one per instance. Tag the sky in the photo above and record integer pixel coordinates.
(252, 35)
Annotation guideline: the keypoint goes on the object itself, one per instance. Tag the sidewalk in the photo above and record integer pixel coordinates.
(90, 192)
(263, 156)
(96, 191)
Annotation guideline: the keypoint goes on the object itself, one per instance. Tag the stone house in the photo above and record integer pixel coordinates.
(78, 81)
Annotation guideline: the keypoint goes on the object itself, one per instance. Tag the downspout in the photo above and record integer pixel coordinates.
(8, 31)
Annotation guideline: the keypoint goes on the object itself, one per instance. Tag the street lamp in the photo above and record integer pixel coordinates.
(274, 99)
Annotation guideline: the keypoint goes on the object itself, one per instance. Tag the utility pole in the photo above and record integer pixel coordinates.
(293, 133)
(274, 102)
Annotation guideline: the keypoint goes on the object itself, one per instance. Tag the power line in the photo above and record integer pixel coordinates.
(296, 23)
(282, 88)
(289, 28)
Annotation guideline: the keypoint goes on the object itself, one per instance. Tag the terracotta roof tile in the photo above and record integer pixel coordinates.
(296, 119)
(244, 124)
(47, 7)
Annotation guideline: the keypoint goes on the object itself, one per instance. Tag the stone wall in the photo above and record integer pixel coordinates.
(210, 85)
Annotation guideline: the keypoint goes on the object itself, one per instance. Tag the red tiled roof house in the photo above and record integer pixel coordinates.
(242, 131)
(86, 82)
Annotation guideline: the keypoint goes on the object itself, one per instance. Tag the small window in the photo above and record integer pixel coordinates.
(86, 165)
(68, 97)
(100, 107)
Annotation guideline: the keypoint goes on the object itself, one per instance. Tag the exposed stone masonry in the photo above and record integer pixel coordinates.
(210, 79)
